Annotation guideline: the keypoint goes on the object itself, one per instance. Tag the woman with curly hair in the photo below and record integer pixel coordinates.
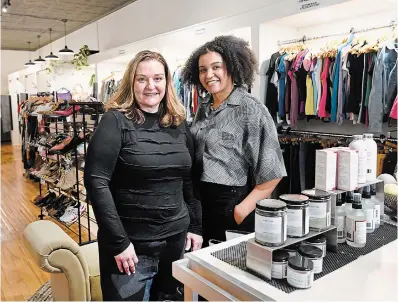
(238, 159)
(138, 180)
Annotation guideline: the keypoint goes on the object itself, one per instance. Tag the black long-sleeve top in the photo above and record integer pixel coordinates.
(138, 180)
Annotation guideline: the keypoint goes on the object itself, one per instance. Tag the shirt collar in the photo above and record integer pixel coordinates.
(234, 97)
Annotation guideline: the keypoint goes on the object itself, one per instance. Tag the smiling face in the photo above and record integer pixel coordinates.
(149, 85)
(213, 73)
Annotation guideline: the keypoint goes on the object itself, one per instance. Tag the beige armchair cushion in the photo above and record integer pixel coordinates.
(55, 252)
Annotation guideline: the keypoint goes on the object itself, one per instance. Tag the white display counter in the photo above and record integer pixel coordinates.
(373, 277)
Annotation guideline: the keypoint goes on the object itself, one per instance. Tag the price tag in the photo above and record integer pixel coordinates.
(306, 5)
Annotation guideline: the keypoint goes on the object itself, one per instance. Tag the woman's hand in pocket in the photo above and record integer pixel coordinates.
(127, 260)
(239, 214)
(194, 241)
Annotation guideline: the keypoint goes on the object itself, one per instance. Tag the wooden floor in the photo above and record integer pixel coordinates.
(20, 276)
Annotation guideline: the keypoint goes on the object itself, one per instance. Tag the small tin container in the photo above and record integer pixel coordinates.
(318, 241)
(300, 272)
(279, 264)
(320, 209)
(298, 219)
(314, 254)
(270, 222)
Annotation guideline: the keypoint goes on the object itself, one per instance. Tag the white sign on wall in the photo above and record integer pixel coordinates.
(306, 5)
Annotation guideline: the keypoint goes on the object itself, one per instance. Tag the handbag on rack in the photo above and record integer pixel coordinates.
(78, 93)
(63, 95)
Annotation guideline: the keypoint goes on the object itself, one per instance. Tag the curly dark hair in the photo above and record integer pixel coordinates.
(239, 58)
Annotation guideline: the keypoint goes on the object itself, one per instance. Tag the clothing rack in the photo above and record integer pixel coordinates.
(352, 31)
(288, 130)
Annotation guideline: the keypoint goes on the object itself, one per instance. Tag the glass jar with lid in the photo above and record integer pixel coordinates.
(320, 208)
(270, 222)
(298, 219)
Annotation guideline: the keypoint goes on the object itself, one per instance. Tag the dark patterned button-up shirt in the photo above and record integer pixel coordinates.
(238, 137)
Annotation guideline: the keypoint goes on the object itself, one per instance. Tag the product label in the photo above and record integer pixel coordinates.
(328, 219)
(377, 214)
(295, 222)
(269, 229)
(362, 159)
(370, 219)
(349, 229)
(356, 231)
(318, 209)
(317, 265)
(371, 163)
(300, 279)
(307, 221)
(340, 227)
(279, 270)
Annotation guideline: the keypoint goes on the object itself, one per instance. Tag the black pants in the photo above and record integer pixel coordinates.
(152, 280)
(218, 203)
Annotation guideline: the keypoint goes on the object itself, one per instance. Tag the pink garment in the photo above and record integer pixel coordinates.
(394, 110)
(322, 106)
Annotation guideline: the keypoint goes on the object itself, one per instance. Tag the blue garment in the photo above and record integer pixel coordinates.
(314, 84)
(389, 62)
(378, 104)
(335, 91)
(282, 81)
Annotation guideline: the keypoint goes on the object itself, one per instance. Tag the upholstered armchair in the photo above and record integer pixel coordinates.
(74, 269)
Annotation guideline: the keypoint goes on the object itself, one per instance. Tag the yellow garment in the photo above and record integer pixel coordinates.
(309, 102)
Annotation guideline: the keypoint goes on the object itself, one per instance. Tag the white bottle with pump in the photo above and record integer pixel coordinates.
(355, 224)
(340, 220)
(369, 208)
(377, 204)
(371, 157)
(359, 145)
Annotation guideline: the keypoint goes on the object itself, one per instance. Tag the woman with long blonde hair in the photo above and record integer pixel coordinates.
(138, 180)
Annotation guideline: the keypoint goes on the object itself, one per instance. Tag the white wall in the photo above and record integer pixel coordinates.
(270, 34)
(11, 61)
(343, 26)
(148, 18)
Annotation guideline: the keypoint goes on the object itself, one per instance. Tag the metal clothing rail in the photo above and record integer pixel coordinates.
(352, 31)
(288, 130)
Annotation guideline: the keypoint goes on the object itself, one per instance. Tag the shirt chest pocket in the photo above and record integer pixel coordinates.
(221, 138)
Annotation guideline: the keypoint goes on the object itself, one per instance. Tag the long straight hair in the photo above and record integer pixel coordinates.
(171, 110)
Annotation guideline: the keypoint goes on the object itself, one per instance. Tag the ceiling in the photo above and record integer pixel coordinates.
(25, 19)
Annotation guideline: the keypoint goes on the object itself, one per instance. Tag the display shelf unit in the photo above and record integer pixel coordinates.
(74, 124)
(259, 257)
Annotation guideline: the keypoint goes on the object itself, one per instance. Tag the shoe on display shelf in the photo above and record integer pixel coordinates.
(71, 214)
(69, 179)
